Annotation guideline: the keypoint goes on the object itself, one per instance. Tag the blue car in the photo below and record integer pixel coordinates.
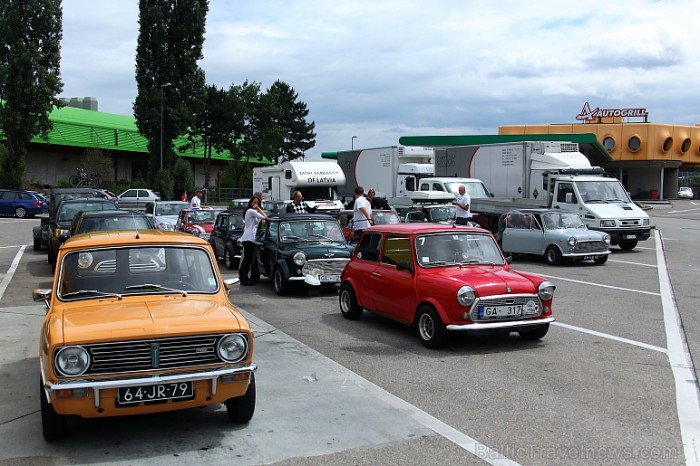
(20, 203)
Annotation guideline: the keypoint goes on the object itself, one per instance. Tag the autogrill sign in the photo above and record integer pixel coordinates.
(588, 114)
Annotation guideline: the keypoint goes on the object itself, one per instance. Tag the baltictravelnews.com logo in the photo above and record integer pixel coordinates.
(588, 114)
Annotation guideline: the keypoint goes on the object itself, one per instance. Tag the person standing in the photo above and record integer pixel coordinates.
(252, 215)
(196, 202)
(298, 206)
(377, 203)
(462, 206)
(362, 212)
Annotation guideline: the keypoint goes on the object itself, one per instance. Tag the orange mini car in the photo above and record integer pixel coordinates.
(137, 323)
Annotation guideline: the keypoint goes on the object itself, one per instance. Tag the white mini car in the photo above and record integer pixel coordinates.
(685, 193)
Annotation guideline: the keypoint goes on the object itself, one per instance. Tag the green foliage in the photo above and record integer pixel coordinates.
(170, 84)
(237, 175)
(164, 184)
(183, 178)
(30, 55)
(96, 160)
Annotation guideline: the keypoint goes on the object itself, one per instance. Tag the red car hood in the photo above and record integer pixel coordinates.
(492, 280)
(135, 318)
(200, 227)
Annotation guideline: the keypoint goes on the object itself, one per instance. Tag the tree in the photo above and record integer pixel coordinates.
(282, 127)
(170, 84)
(30, 56)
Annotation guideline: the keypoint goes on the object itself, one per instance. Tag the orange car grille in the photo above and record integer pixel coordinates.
(149, 355)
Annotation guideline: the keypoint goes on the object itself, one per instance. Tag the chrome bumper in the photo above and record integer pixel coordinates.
(498, 325)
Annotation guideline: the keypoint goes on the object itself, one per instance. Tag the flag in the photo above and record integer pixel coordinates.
(184, 196)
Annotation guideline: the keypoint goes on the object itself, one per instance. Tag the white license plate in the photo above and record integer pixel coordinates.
(330, 278)
(166, 391)
(501, 311)
(630, 236)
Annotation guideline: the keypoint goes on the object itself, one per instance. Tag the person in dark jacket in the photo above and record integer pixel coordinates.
(378, 203)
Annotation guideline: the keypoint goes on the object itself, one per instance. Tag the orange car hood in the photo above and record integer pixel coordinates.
(137, 318)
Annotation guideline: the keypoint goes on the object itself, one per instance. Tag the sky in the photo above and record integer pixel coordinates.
(373, 71)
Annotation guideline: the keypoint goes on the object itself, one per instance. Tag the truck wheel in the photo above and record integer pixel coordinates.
(553, 255)
(600, 260)
(230, 261)
(628, 245)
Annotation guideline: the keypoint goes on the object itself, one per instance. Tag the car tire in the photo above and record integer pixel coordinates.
(347, 301)
(534, 332)
(37, 244)
(281, 284)
(628, 245)
(600, 260)
(553, 255)
(229, 260)
(54, 426)
(20, 212)
(431, 331)
(241, 409)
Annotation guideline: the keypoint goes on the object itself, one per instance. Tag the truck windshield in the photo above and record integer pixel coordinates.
(602, 191)
(475, 190)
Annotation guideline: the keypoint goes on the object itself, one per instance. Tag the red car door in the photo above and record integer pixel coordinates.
(395, 291)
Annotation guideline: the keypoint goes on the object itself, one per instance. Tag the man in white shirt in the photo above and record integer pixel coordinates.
(362, 212)
(196, 202)
(462, 206)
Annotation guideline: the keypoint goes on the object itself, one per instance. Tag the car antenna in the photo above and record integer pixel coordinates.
(137, 228)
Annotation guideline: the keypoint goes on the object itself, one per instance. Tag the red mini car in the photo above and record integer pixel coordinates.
(198, 222)
(442, 279)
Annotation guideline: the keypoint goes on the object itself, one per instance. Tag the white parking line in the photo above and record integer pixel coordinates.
(600, 285)
(633, 263)
(611, 337)
(14, 246)
(687, 396)
(11, 271)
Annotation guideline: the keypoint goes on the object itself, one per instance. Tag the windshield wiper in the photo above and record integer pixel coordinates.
(90, 293)
(153, 286)
(293, 237)
(318, 235)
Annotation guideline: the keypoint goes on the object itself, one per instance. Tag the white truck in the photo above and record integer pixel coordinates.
(392, 171)
(473, 186)
(317, 182)
(546, 174)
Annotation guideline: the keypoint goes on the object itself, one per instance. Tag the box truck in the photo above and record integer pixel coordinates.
(317, 181)
(393, 171)
(546, 174)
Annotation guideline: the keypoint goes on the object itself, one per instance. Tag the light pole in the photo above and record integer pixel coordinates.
(352, 142)
(162, 86)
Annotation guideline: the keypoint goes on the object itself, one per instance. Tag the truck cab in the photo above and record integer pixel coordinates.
(473, 186)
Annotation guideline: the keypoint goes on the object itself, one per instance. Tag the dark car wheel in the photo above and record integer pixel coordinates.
(431, 331)
(242, 408)
(229, 260)
(534, 332)
(37, 244)
(553, 255)
(54, 426)
(347, 300)
(281, 283)
(600, 260)
(20, 212)
(628, 245)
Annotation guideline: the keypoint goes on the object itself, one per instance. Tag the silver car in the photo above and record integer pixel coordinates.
(137, 198)
(685, 193)
(554, 234)
(164, 214)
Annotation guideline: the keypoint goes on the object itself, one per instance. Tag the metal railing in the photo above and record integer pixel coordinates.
(214, 194)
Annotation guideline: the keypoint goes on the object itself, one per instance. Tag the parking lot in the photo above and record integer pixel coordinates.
(611, 383)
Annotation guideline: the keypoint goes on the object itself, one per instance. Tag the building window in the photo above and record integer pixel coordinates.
(609, 143)
(634, 143)
(668, 144)
(685, 145)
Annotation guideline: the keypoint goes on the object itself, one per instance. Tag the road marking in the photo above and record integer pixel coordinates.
(687, 396)
(600, 285)
(682, 211)
(11, 271)
(14, 246)
(611, 337)
(646, 249)
(632, 263)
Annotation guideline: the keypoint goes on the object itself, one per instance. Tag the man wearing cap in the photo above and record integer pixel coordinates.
(196, 202)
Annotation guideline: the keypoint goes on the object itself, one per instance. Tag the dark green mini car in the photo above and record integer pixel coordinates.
(224, 237)
(302, 248)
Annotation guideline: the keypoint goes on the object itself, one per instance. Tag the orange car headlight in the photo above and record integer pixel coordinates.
(72, 361)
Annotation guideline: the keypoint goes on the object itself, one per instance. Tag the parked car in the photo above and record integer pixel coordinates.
(198, 222)
(107, 220)
(685, 192)
(136, 198)
(44, 202)
(224, 237)
(164, 213)
(60, 225)
(106, 194)
(553, 234)
(380, 217)
(443, 279)
(300, 248)
(42, 232)
(140, 323)
(20, 203)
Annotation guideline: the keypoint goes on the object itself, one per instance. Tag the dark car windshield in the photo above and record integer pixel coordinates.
(68, 210)
(457, 247)
(310, 230)
(117, 222)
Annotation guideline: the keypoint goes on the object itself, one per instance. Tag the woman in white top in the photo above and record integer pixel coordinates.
(252, 216)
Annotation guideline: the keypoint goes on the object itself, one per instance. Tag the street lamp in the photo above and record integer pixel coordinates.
(352, 142)
(162, 86)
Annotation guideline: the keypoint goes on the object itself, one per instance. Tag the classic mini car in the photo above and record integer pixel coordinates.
(380, 217)
(554, 234)
(138, 323)
(685, 193)
(443, 279)
(306, 248)
(164, 213)
(224, 237)
(198, 222)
